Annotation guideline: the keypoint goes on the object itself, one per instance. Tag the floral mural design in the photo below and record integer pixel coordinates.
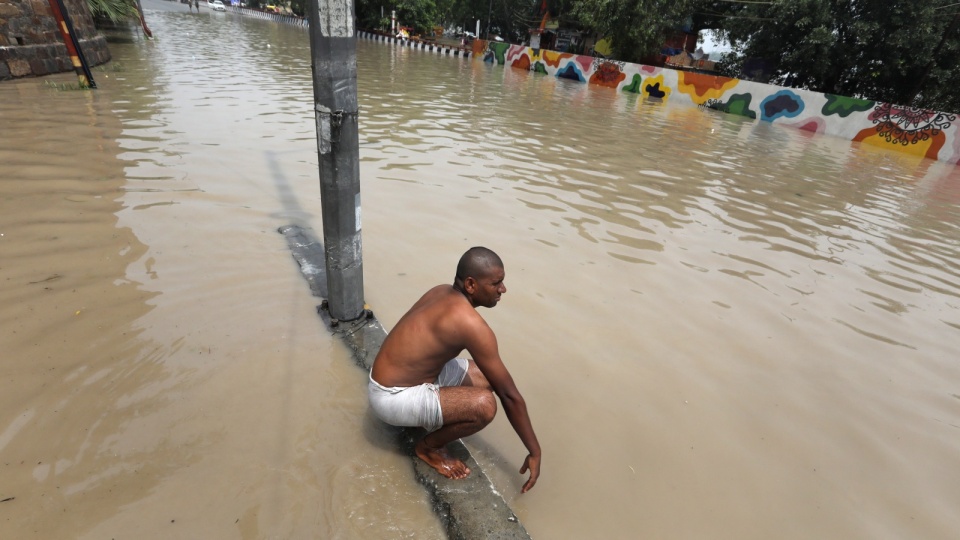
(608, 74)
(915, 131)
(908, 125)
(599, 62)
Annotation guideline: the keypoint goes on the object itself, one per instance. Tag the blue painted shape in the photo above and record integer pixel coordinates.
(655, 91)
(571, 71)
(783, 104)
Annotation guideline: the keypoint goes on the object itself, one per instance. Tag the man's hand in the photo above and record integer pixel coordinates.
(532, 463)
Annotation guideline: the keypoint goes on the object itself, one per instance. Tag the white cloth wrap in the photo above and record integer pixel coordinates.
(411, 406)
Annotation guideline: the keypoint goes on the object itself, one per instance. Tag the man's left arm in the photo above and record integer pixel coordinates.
(483, 348)
(516, 409)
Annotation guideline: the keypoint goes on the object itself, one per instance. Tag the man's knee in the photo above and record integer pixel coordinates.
(486, 407)
(476, 378)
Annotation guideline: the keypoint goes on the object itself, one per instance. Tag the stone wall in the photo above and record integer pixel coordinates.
(31, 44)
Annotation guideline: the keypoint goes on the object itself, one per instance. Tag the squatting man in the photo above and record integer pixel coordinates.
(417, 379)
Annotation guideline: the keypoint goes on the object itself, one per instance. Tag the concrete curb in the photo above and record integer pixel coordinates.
(275, 17)
(449, 50)
(471, 509)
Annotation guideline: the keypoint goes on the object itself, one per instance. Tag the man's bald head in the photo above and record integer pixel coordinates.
(476, 263)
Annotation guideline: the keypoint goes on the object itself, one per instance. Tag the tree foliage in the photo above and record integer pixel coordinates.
(418, 14)
(299, 7)
(900, 51)
(637, 28)
(114, 11)
(508, 18)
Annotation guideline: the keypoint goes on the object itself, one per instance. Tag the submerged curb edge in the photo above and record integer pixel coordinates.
(470, 509)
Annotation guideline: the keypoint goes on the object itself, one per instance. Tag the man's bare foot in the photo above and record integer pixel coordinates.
(443, 462)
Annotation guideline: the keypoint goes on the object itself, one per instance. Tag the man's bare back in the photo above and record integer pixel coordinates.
(435, 330)
(425, 338)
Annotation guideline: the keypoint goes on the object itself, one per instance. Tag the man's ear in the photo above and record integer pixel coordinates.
(470, 285)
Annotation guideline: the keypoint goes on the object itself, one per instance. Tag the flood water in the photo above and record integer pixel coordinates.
(722, 328)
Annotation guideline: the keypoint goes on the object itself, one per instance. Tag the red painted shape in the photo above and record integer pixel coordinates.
(703, 83)
(522, 63)
(608, 74)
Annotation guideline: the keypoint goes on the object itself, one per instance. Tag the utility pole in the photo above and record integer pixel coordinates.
(333, 49)
(72, 44)
(143, 20)
(489, 14)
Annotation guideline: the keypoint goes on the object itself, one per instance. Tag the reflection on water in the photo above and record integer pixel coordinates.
(164, 372)
(722, 328)
(724, 325)
(67, 306)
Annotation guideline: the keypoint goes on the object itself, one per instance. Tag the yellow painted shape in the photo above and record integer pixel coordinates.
(553, 58)
(701, 87)
(919, 149)
(652, 81)
(604, 46)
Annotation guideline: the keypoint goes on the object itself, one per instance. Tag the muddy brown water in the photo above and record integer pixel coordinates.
(723, 329)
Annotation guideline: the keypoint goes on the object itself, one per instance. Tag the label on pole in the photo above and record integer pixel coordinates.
(323, 129)
(356, 209)
(336, 18)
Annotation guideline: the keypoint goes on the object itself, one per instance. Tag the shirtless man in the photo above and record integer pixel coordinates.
(414, 382)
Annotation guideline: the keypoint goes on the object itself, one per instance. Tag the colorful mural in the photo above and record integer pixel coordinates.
(931, 134)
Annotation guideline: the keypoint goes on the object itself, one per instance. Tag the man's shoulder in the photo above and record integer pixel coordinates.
(433, 297)
(438, 290)
(449, 304)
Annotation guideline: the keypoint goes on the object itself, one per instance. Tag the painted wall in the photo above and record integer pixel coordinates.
(31, 44)
(275, 17)
(930, 134)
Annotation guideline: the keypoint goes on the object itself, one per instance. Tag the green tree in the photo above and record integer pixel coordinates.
(114, 11)
(299, 7)
(420, 14)
(513, 20)
(900, 51)
(465, 13)
(637, 28)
